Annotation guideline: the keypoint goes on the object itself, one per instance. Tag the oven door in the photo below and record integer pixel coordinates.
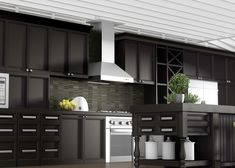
(121, 145)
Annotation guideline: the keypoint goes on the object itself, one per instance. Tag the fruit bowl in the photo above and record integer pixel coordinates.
(66, 104)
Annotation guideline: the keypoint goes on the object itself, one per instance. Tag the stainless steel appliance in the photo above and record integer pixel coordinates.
(119, 142)
(4, 90)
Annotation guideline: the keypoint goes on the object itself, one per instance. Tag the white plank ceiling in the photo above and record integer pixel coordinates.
(204, 22)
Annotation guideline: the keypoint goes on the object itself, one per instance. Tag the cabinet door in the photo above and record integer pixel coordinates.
(58, 50)
(190, 63)
(146, 62)
(38, 88)
(219, 68)
(77, 53)
(15, 46)
(227, 137)
(131, 58)
(204, 66)
(17, 90)
(94, 138)
(231, 69)
(71, 138)
(222, 93)
(1, 42)
(230, 94)
(37, 48)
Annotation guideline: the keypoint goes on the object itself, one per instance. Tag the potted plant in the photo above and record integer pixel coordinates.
(178, 85)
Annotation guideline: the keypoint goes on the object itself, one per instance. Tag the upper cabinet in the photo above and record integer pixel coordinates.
(68, 53)
(198, 64)
(137, 58)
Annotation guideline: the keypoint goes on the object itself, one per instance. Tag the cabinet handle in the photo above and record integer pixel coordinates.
(6, 116)
(28, 150)
(51, 150)
(51, 130)
(29, 130)
(51, 118)
(146, 130)
(27, 70)
(29, 117)
(146, 118)
(166, 118)
(166, 129)
(6, 151)
(6, 130)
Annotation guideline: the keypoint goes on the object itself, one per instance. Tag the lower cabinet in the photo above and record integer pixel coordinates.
(82, 139)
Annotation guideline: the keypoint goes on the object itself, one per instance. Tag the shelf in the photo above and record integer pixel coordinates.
(176, 163)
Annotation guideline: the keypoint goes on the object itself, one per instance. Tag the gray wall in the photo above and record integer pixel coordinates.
(115, 96)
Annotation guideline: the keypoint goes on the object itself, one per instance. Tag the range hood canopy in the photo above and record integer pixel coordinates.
(102, 46)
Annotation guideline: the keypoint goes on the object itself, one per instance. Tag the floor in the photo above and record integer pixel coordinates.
(113, 165)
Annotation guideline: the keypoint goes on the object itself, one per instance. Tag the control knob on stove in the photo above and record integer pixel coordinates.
(121, 122)
(112, 122)
(129, 123)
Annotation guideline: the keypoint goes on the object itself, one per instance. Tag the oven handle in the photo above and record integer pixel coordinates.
(119, 131)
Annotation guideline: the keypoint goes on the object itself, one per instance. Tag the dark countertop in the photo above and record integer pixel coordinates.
(186, 107)
(94, 113)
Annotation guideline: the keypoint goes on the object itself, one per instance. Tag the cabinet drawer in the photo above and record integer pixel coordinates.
(52, 119)
(4, 117)
(7, 129)
(171, 117)
(28, 130)
(28, 150)
(50, 149)
(50, 130)
(29, 118)
(7, 150)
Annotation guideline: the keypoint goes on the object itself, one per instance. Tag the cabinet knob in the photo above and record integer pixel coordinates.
(27, 70)
(72, 74)
(228, 81)
(68, 74)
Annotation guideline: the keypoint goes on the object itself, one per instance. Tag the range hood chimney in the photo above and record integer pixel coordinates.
(102, 46)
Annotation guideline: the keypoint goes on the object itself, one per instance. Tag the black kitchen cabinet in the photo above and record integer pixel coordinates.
(198, 65)
(68, 53)
(15, 46)
(231, 70)
(28, 90)
(28, 139)
(1, 43)
(37, 50)
(94, 138)
(227, 137)
(83, 139)
(8, 138)
(137, 59)
(71, 138)
(219, 69)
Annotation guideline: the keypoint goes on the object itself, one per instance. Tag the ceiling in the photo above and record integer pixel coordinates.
(210, 23)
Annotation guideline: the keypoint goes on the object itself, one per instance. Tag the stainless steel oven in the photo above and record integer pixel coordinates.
(119, 141)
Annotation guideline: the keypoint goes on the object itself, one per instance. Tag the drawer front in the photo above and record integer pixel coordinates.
(4, 117)
(29, 118)
(160, 123)
(28, 150)
(50, 130)
(7, 129)
(28, 130)
(51, 119)
(50, 149)
(7, 150)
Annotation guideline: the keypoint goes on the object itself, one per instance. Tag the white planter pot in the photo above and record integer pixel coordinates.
(179, 98)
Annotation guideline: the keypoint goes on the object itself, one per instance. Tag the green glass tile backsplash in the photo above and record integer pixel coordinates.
(114, 96)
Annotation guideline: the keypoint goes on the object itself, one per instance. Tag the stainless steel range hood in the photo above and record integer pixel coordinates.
(102, 66)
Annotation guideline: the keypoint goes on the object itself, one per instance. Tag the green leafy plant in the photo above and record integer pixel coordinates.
(179, 83)
(191, 98)
(170, 98)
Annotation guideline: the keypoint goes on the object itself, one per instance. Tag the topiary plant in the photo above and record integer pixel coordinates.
(179, 83)
(191, 98)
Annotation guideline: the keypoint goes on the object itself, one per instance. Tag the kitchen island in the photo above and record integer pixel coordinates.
(211, 127)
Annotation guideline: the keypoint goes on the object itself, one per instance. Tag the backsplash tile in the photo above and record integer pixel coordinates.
(115, 96)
